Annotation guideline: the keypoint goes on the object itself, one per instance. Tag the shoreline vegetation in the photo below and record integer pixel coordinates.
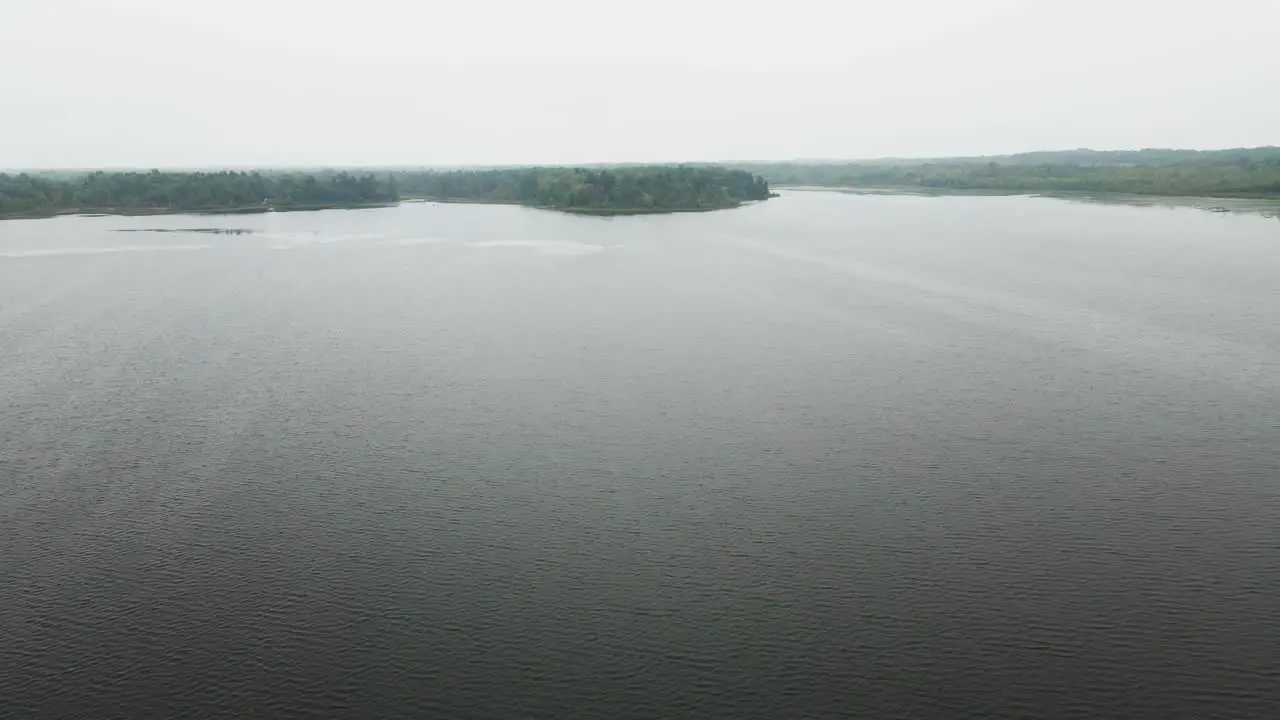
(633, 190)
(585, 191)
(199, 193)
(1242, 173)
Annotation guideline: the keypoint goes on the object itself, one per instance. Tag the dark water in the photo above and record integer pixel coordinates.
(826, 456)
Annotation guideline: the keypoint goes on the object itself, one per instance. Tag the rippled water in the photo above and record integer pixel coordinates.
(830, 455)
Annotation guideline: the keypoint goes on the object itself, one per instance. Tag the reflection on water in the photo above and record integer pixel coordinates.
(552, 247)
(211, 231)
(1264, 207)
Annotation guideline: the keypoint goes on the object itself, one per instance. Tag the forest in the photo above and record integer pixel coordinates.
(636, 189)
(35, 195)
(1241, 173)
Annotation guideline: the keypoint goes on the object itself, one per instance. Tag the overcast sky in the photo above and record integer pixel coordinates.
(307, 82)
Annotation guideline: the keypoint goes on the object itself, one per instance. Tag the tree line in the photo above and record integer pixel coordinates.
(159, 192)
(624, 189)
(618, 189)
(1248, 172)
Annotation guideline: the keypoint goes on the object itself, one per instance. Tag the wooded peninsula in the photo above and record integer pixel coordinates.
(1237, 173)
(617, 190)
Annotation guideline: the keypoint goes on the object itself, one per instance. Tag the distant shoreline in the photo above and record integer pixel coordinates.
(147, 212)
(584, 210)
(236, 210)
(622, 191)
(1266, 205)
(1005, 192)
(1239, 173)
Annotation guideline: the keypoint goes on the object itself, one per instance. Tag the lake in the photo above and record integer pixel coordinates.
(825, 456)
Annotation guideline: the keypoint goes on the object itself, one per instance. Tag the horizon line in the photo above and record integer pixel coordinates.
(613, 163)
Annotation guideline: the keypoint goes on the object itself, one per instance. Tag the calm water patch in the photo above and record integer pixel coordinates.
(831, 455)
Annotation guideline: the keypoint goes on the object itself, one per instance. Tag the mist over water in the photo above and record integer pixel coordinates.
(826, 456)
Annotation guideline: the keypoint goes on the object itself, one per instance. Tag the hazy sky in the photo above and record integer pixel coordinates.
(287, 82)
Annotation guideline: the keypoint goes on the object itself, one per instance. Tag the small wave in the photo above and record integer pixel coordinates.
(58, 252)
(207, 231)
(415, 241)
(549, 247)
(298, 241)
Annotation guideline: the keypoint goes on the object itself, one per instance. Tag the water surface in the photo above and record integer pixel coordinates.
(826, 456)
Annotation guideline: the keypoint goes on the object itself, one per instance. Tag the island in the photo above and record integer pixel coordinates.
(1234, 173)
(605, 190)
